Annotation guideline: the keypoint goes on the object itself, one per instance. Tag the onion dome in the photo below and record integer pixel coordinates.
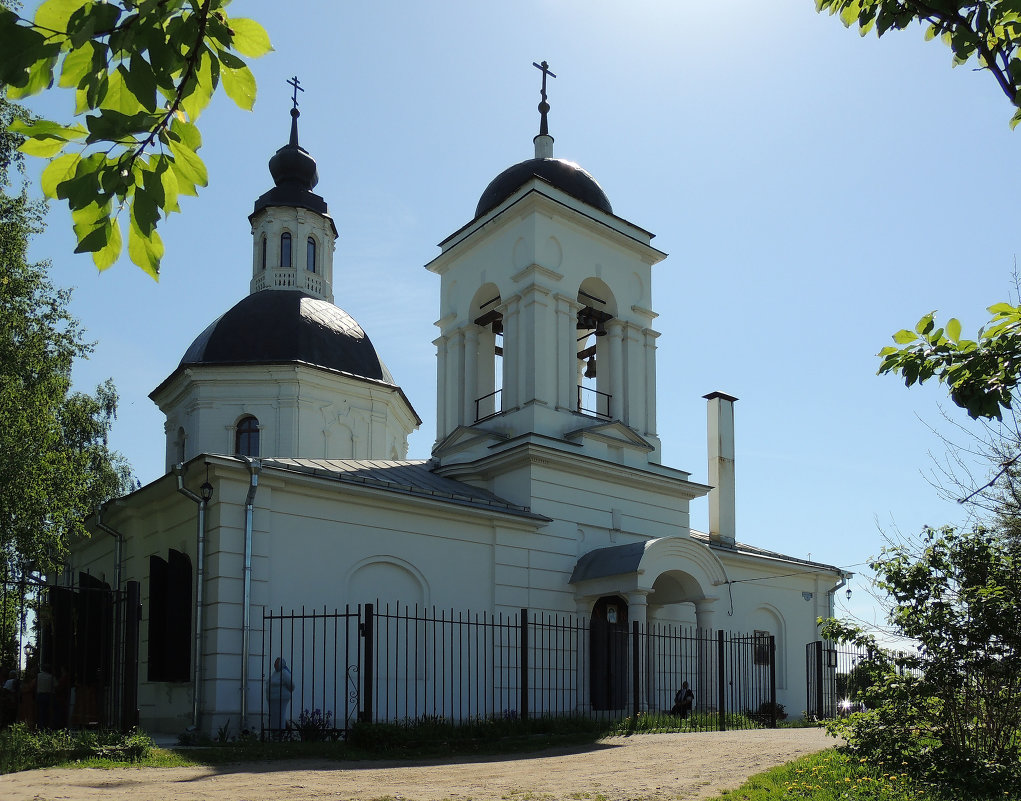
(283, 326)
(295, 175)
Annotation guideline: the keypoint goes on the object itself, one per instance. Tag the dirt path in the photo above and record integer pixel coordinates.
(653, 766)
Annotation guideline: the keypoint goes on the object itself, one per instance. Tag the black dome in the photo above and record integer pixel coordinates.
(295, 175)
(279, 326)
(564, 175)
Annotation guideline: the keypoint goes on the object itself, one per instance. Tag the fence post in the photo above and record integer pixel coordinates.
(721, 678)
(820, 713)
(772, 682)
(129, 675)
(635, 667)
(368, 679)
(524, 665)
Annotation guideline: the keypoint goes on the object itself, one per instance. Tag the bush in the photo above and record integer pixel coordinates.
(948, 713)
(765, 713)
(314, 726)
(23, 749)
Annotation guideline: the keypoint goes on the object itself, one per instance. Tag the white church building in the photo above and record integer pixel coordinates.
(289, 486)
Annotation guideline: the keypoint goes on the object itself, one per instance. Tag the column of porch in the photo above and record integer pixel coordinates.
(705, 622)
(638, 612)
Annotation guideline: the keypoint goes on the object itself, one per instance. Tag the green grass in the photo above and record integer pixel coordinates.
(832, 776)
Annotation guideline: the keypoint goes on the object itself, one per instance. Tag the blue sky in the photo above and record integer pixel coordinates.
(815, 191)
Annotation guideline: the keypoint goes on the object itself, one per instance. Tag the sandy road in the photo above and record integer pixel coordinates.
(654, 766)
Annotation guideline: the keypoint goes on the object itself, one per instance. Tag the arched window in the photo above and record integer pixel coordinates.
(310, 255)
(246, 437)
(264, 251)
(179, 444)
(285, 250)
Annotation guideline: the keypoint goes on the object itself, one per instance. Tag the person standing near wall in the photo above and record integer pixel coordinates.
(278, 694)
(44, 698)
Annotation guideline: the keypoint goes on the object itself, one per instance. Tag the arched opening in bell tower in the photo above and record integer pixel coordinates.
(484, 355)
(596, 360)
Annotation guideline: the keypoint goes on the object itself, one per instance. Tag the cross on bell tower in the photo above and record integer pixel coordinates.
(544, 106)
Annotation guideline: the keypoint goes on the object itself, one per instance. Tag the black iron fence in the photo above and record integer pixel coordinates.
(81, 668)
(835, 678)
(326, 670)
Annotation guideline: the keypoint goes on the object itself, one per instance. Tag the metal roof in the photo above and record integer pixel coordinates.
(412, 477)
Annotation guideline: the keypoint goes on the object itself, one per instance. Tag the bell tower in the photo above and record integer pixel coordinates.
(293, 234)
(546, 313)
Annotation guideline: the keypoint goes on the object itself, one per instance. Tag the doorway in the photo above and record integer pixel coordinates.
(608, 654)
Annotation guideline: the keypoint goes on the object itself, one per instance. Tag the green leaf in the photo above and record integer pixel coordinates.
(250, 38)
(22, 47)
(40, 77)
(239, 84)
(145, 251)
(105, 256)
(77, 64)
(119, 97)
(47, 129)
(924, 326)
(54, 14)
(188, 168)
(144, 212)
(45, 147)
(904, 337)
(954, 330)
(96, 238)
(141, 81)
(56, 172)
(200, 87)
(170, 187)
(187, 133)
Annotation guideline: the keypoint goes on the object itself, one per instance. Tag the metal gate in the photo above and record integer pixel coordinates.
(834, 678)
(88, 641)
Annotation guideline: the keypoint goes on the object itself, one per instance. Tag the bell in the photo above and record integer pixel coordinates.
(590, 367)
(600, 328)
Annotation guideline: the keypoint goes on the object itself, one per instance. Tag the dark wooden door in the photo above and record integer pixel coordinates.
(608, 654)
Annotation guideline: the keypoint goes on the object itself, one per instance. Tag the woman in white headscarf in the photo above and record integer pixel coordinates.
(278, 693)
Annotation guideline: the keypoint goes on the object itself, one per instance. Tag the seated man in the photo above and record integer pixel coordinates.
(684, 700)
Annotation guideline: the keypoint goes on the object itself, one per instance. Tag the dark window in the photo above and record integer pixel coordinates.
(246, 437)
(264, 251)
(285, 249)
(180, 444)
(310, 255)
(170, 617)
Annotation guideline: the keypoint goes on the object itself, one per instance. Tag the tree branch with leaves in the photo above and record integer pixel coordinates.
(988, 32)
(142, 72)
(982, 374)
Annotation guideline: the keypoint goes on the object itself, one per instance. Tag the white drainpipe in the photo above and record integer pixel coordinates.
(246, 626)
(200, 572)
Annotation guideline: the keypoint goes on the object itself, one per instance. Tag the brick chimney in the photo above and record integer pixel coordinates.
(721, 468)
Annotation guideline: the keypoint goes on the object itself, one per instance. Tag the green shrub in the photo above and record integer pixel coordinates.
(947, 712)
(22, 748)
